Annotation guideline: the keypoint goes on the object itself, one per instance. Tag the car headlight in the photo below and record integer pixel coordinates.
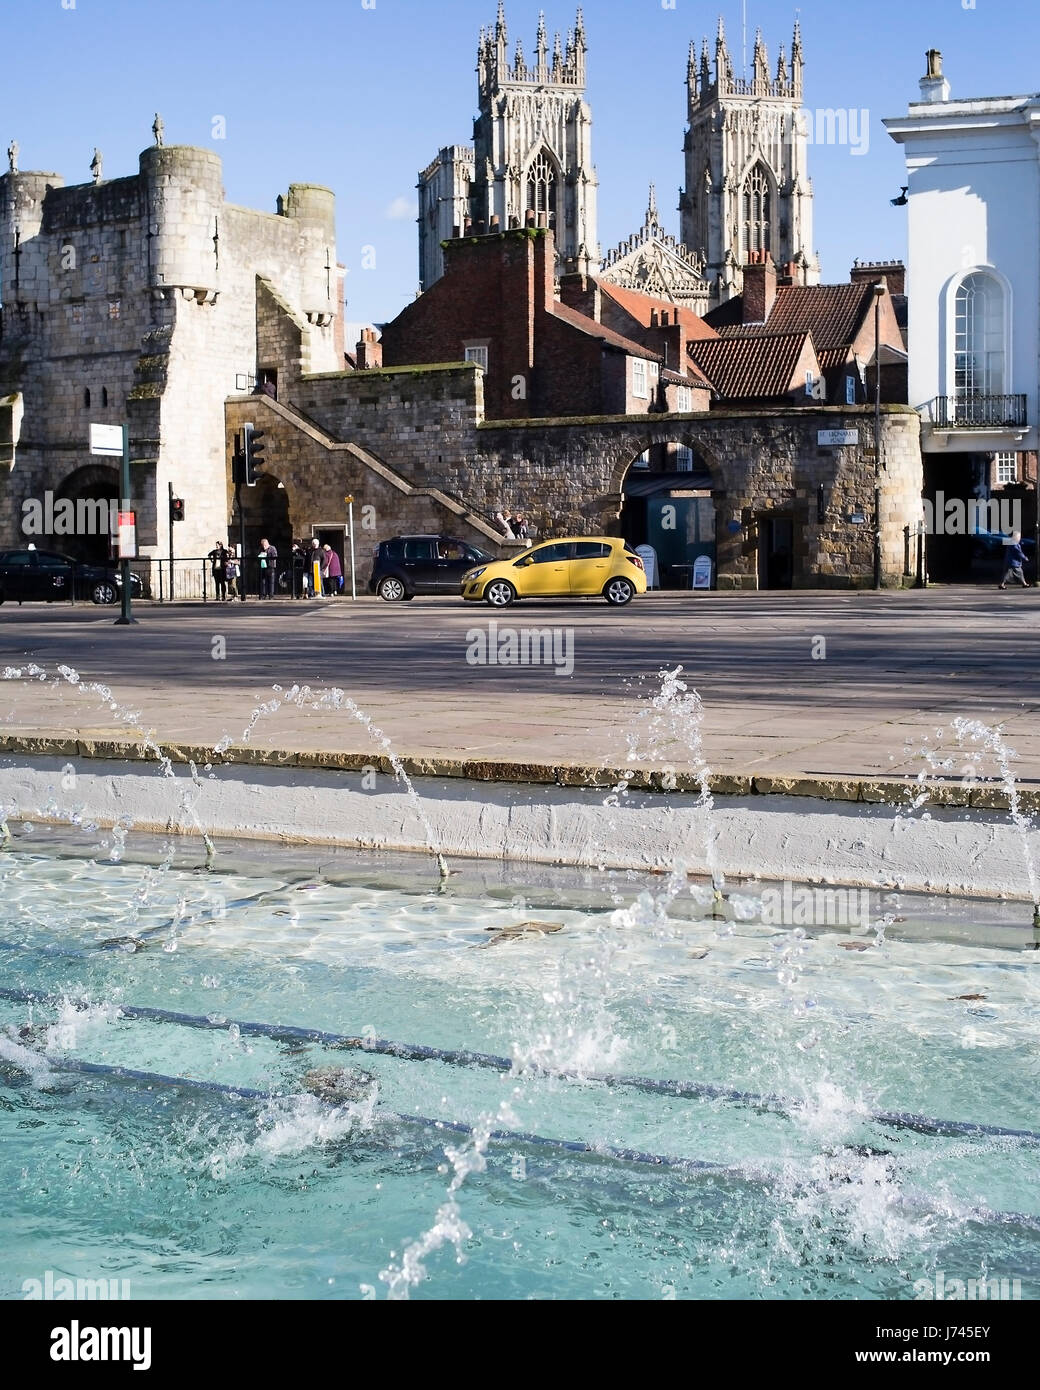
(473, 574)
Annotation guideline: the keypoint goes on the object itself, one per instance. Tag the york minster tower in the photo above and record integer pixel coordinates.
(748, 190)
(531, 158)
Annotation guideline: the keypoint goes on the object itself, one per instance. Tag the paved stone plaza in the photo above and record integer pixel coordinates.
(898, 667)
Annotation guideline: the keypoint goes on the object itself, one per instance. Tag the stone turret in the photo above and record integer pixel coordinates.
(24, 276)
(183, 189)
(313, 208)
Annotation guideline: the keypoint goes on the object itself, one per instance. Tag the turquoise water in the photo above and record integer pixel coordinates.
(191, 1193)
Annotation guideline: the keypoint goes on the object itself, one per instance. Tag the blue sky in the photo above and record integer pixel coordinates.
(360, 98)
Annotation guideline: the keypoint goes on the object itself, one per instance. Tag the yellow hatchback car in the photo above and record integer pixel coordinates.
(580, 567)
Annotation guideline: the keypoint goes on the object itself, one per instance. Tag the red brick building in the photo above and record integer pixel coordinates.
(545, 357)
(585, 346)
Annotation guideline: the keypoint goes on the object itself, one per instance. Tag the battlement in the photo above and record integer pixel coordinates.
(706, 89)
(562, 67)
(165, 229)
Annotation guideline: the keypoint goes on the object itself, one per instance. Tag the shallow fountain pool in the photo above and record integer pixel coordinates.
(857, 1114)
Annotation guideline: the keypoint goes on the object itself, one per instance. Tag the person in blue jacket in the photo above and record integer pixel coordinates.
(1016, 559)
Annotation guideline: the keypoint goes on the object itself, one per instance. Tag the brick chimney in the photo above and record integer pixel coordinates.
(582, 293)
(759, 287)
(369, 350)
(544, 271)
(667, 335)
(870, 272)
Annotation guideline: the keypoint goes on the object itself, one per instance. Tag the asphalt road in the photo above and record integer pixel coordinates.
(779, 673)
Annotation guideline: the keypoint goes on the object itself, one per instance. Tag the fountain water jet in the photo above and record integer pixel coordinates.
(303, 698)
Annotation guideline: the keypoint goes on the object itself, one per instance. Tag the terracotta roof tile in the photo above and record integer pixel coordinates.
(640, 306)
(832, 313)
(753, 367)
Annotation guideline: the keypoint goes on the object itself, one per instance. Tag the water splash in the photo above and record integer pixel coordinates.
(669, 729)
(128, 719)
(991, 740)
(448, 1228)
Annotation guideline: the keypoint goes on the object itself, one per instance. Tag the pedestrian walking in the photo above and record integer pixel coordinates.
(332, 571)
(218, 560)
(268, 559)
(1015, 563)
(504, 526)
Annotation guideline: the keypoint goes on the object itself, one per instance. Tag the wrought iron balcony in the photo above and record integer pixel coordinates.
(979, 412)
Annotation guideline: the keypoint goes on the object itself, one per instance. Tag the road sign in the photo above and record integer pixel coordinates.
(829, 439)
(107, 440)
(127, 535)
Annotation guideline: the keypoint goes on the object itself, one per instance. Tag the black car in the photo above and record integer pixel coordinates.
(410, 565)
(30, 576)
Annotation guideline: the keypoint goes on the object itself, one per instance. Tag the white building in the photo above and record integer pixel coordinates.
(973, 174)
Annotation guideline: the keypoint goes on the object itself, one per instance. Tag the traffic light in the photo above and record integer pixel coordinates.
(253, 453)
(176, 508)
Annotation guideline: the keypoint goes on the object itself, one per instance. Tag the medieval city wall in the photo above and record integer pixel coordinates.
(425, 424)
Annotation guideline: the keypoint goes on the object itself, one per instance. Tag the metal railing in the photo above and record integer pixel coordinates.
(979, 412)
(189, 579)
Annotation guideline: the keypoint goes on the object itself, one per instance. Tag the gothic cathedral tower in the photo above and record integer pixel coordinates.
(748, 190)
(531, 155)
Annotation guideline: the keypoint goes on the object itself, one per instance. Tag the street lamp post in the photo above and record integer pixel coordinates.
(879, 292)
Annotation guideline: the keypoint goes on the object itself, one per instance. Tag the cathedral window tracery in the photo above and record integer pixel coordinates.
(541, 188)
(757, 202)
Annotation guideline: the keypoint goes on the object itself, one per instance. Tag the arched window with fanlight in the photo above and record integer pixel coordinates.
(541, 189)
(758, 228)
(980, 336)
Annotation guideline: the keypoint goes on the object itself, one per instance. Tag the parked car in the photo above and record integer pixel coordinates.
(581, 567)
(410, 565)
(31, 576)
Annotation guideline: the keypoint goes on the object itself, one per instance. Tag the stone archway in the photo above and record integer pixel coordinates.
(666, 502)
(83, 530)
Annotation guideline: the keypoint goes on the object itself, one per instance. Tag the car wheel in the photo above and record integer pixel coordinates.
(391, 590)
(500, 593)
(619, 591)
(103, 592)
